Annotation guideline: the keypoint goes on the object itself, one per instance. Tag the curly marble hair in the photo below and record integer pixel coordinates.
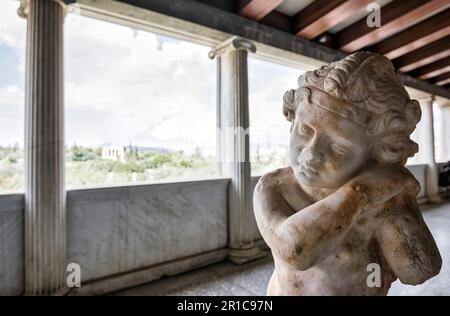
(368, 82)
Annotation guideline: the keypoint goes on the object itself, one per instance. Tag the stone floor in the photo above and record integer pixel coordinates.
(251, 279)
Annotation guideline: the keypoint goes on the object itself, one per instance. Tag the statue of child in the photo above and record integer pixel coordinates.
(346, 201)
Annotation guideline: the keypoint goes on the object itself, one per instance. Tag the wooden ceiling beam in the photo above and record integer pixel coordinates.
(424, 55)
(257, 9)
(312, 12)
(278, 20)
(395, 16)
(437, 73)
(441, 80)
(321, 15)
(432, 70)
(419, 35)
(425, 61)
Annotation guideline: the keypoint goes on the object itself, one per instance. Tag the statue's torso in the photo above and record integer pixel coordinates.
(341, 272)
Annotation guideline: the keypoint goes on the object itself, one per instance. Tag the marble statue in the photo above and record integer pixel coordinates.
(346, 205)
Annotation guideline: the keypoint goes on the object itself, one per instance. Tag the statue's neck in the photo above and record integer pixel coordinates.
(317, 193)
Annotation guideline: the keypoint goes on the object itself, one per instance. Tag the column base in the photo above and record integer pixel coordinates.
(63, 291)
(244, 255)
(435, 199)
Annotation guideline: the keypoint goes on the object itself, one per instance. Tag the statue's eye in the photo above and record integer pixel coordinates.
(341, 150)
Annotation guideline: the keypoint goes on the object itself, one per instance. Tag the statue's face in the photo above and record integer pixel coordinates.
(326, 149)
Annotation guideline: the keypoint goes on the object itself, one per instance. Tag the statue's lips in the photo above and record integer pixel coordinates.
(308, 171)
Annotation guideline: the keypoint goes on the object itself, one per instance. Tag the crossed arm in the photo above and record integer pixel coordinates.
(406, 242)
(302, 238)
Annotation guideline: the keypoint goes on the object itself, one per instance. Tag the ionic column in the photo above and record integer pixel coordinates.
(432, 172)
(45, 213)
(445, 131)
(233, 124)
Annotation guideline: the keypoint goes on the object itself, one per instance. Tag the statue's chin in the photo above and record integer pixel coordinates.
(313, 181)
(310, 180)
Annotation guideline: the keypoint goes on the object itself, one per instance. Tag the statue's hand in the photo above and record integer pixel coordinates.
(381, 182)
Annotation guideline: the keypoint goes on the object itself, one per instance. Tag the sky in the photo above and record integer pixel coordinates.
(267, 84)
(124, 85)
(12, 73)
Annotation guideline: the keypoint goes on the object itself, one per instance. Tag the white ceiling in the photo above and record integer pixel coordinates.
(291, 7)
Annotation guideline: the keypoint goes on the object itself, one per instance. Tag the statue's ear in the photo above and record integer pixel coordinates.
(394, 148)
(290, 116)
(289, 105)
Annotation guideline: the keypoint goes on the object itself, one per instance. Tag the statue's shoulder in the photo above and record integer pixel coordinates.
(281, 184)
(274, 180)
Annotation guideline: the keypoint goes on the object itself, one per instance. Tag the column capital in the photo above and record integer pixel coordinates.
(233, 43)
(426, 98)
(24, 7)
(443, 103)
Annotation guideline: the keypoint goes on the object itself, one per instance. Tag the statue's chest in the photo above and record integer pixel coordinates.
(362, 231)
(359, 245)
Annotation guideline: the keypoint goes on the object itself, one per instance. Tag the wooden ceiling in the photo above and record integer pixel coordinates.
(414, 34)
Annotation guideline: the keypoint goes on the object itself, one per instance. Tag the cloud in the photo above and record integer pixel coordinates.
(124, 85)
(11, 96)
(267, 84)
(11, 115)
(12, 27)
(12, 67)
(150, 89)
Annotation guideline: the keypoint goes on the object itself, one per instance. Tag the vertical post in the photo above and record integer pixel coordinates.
(445, 130)
(218, 117)
(45, 213)
(432, 173)
(234, 145)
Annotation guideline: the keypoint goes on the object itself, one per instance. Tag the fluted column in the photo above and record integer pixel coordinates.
(234, 150)
(432, 172)
(45, 213)
(445, 130)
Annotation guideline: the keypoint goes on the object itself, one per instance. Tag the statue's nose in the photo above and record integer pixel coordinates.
(314, 152)
(313, 156)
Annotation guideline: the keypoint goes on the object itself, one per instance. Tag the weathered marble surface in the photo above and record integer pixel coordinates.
(347, 202)
(121, 229)
(11, 244)
(256, 234)
(418, 172)
(114, 230)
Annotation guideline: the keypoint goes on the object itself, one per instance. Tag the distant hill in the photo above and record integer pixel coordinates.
(139, 148)
(152, 149)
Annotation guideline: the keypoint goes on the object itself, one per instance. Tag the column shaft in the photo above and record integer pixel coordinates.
(432, 173)
(235, 118)
(45, 215)
(445, 131)
(234, 146)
